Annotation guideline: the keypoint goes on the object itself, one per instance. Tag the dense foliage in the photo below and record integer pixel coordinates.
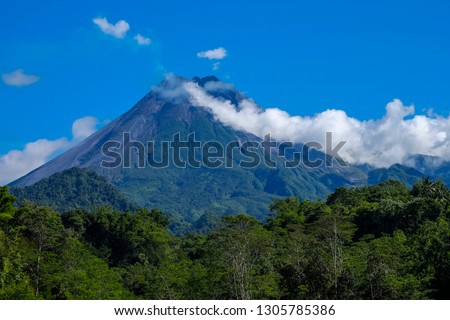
(74, 188)
(377, 242)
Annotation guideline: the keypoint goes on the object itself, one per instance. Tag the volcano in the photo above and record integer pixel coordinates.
(167, 111)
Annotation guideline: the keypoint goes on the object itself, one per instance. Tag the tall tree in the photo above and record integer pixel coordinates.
(43, 233)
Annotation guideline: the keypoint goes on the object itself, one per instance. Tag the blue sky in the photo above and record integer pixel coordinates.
(301, 56)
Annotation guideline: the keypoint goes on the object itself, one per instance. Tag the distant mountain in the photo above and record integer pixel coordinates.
(396, 172)
(434, 167)
(74, 188)
(191, 192)
(428, 165)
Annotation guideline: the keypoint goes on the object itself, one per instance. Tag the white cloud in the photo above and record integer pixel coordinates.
(84, 127)
(216, 65)
(118, 30)
(143, 41)
(19, 79)
(215, 54)
(379, 142)
(17, 163)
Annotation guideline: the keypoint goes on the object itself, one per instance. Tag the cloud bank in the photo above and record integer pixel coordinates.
(378, 142)
(215, 54)
(118, 30)
(19, 79)
(17, 163)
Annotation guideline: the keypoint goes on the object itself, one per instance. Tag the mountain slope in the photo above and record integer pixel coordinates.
(395, 172)
(190, 192)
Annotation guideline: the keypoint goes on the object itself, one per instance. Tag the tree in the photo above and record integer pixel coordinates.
(332, 232)
(240, 254)
(42, 234)
(388, 270)
(78, 274)
(426, 188)
(6, 205)
(431, 248)
(286, 212)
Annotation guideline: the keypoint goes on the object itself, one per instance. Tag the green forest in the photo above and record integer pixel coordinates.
(376, 242)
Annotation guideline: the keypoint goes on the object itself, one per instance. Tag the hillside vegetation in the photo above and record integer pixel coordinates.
(74, 188)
